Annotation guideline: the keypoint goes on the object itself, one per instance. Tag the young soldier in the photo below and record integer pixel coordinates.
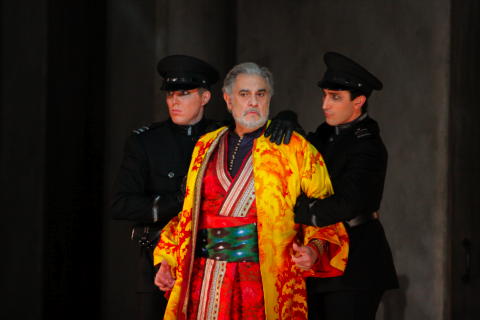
(356, 159)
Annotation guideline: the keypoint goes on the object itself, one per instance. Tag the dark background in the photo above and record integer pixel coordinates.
(78, 76)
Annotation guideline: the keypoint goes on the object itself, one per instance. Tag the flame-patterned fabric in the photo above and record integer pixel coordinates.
(280, 174)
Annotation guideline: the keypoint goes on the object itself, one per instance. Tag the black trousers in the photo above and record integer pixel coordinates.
(344, 305)
(151, 305)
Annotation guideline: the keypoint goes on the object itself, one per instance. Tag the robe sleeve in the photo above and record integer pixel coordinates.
(332, 239)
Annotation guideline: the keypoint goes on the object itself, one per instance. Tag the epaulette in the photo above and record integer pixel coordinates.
(141, 129)
(362, 133)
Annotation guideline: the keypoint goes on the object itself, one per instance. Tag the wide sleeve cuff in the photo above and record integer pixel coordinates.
(333, 248)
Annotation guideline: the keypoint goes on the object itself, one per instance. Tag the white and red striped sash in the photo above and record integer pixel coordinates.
(241, 190)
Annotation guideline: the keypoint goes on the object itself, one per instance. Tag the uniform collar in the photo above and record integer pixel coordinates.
(345, 126)
(191, 130)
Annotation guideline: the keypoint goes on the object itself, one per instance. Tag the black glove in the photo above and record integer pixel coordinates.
(302, 211)
(282, 127)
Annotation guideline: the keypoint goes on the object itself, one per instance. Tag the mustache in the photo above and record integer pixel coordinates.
(251, 110)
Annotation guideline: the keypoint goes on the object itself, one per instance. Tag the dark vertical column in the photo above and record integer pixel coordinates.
(74, 159)
(130, 100)
(22, 154)
(464, 155)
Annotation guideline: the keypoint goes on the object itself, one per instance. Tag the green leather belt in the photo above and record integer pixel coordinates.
(232, 244)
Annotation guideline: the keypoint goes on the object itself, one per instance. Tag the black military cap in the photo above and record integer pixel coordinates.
(181, 72)
(345, 74)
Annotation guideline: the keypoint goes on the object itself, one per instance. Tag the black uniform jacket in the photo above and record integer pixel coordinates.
(356, 160)
(155, 162)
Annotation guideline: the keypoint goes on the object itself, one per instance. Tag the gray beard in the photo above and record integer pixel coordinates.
(251, 124)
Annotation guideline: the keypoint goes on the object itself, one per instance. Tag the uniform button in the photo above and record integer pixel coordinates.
(171, 174)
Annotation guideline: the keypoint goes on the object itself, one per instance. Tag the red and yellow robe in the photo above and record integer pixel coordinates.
(281, 173)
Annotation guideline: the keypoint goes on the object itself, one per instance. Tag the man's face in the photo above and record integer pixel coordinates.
(338, 108)
(186, 106)
(249, 102)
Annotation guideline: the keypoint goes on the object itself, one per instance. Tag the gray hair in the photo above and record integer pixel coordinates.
(247, 68)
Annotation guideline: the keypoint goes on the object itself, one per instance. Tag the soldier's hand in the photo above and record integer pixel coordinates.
(304, 256)
(279, 130)
(164, 279)
(282, 127)
(302, 211)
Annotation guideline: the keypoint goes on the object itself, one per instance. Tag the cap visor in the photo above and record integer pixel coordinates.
(178, 86)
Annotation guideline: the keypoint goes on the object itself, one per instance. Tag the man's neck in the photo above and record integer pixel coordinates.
(254, 132)
(241, 131)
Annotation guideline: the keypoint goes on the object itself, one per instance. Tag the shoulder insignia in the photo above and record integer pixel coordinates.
(362, 133)
(141, 130)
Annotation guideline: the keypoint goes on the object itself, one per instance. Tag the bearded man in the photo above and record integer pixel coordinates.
(234, 251)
